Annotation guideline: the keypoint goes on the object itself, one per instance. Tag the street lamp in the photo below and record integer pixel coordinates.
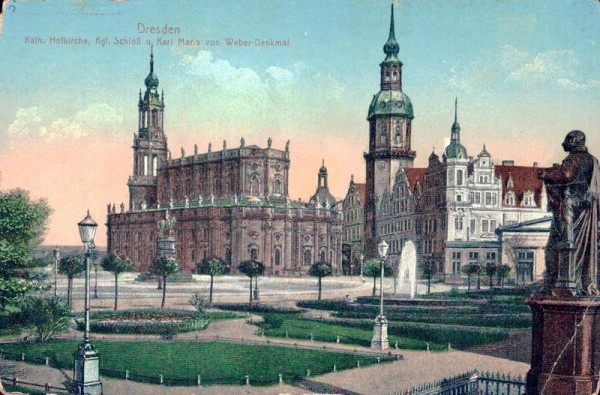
(86, 373)
(362, 258)
(56, 252)
(380, 336)
(95, 258)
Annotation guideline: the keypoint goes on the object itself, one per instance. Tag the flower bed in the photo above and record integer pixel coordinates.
(146, 322)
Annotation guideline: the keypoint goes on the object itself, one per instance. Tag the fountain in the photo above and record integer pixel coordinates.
(408, 267)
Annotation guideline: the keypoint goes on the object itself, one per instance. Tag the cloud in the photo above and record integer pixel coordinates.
(510, 65)
(281, 97)
(38, 123)
(555, 67)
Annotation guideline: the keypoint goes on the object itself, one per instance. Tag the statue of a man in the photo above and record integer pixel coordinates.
(573, 189)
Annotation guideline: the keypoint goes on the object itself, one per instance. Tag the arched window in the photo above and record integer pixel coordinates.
(254, 253)
(322, 256)
(254, 186)
(277, 186)
(277, 256)
(228, 255)
(307, 257)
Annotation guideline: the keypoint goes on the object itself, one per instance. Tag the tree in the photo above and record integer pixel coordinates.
(22, 227)
(373, 269)
(428, 270)
(503, 272)
(71, 266)
(49, 316)
(212, 267)
(320, 270)
(116, 265)
(469, 270)
(490, 271)
(251, 269)
(164, 267)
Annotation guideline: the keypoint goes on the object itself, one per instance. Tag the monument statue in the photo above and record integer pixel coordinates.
(573, 189)
(166, 226)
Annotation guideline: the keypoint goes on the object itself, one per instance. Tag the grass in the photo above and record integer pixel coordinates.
(278, 325)
(13, 388)
(181, 362)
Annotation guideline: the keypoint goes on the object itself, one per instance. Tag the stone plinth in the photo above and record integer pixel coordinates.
(565, 356)
(380, 333)
(166, 247)
(86, 372)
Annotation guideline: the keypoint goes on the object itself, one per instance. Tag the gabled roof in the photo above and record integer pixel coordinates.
(414, 176)
(362, 192)
(524, 179)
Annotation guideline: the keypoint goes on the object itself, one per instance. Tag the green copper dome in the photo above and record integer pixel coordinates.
(391, 103)
(455, 150)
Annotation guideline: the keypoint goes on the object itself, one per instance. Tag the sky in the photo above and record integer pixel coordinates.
(525, 73)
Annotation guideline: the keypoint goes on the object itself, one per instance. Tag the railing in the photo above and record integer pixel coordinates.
(472, 383)
(46, 387)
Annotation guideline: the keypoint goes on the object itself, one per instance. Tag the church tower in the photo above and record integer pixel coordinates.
(390, 116)
(149, 144)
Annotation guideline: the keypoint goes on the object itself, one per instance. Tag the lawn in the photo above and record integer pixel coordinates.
(181, 362)
(294, 326)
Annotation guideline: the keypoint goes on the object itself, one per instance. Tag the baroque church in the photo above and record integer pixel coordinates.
(231, 203)
(454, 210)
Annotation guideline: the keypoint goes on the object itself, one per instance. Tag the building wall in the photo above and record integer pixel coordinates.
(354, 223)
(242, 172)
(287, 240)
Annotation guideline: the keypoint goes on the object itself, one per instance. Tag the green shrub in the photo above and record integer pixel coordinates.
(142, 277)
(256, 308)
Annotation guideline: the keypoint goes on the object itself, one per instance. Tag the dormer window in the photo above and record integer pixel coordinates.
(528, 199)
(510, 198)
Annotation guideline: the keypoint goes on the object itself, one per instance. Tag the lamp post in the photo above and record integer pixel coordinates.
(56, 252)
(86, 375)
(380, 336)
(362, 258)
(94, 257)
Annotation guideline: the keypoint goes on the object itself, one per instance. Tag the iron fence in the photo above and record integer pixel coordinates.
(472, 383)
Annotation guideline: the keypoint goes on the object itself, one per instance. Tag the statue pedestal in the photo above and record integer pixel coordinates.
(165, 247)
(380, 335)
(565, 355)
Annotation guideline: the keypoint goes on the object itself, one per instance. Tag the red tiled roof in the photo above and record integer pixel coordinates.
(524, 179)
(414, 175)
(362, 192)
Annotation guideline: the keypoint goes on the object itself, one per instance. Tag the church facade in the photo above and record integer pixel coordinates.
(232, 203)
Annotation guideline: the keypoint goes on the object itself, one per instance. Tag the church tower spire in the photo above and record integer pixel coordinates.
(390, 116)
(455, 131)
(149, 143)
(391, 47)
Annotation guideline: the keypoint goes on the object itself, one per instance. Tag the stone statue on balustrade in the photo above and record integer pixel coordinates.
(573, 189)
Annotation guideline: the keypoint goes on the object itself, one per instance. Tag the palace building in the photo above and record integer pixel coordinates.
(452, 209)
(231, 204)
